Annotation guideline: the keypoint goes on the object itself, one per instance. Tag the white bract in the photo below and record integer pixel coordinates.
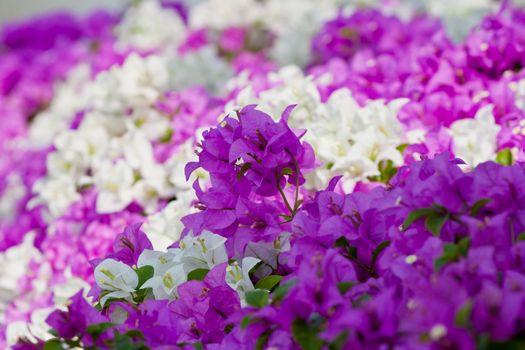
(289, 86)
(201, 252)
(168, 273)
(268, 253)
(238, 277)
(519, 88)
(149, 26)
(475, 140)
(296, 22)
(114, 182)
(351, 140)
(70, 96)
(220, 14)
(202, 67)
(164, 227)
(117, 278)
(164, 285)
(15, 262)
(172, 268)
(10, 197)
(459, 17)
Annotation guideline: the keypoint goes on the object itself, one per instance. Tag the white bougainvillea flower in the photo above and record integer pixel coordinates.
(475, 140)
(164, 285)
(238, 277)
(168, 273)
(160, 261)
(114, 182)
(202, 252)
(117, 278)
(164, 227)
(149, 26)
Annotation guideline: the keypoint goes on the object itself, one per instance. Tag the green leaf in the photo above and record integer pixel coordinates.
(228, 328)
(145, 273)
(339, 342)
(387, 169)
(262, 340)
(379, 249)
(306, 336)
(345, 286)
(246, 321)
(463, 246)
(507, 345)
(450, 250)
(348, 33)
(416, 215)
(462, 317)
(268, 282)
(342, 242)
(198, 346)
(95, 330)
(521, 237)
(197, 274)
(402, 147)
(166, 138)
(352, 252)
(434, 223)
(135, 333)
(287, 171)
(140, 295)
(257, 298)
(282, 291)
(53, 344)
(453, 252)
(439, 263)
(123, 342)
(504, 157)
(478, 206)
(363, 298)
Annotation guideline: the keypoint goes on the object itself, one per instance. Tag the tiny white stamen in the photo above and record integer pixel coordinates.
(411, 259)
(438, 331)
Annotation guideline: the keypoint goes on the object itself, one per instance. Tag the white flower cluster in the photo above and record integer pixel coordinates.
(148, 26)
(172, 268)
(202, 67)
(111, 148)
(70, 96)
(193, 259)
(475, 140)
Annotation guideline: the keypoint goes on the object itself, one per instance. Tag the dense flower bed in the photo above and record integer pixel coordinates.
(249, 174)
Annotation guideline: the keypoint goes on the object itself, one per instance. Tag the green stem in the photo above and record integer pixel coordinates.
(277, 178)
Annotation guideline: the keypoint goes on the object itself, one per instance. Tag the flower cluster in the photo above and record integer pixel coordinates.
(344, 174)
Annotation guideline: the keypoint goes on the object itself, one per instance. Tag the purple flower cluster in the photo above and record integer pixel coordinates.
(433, 261)
(251, 160)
